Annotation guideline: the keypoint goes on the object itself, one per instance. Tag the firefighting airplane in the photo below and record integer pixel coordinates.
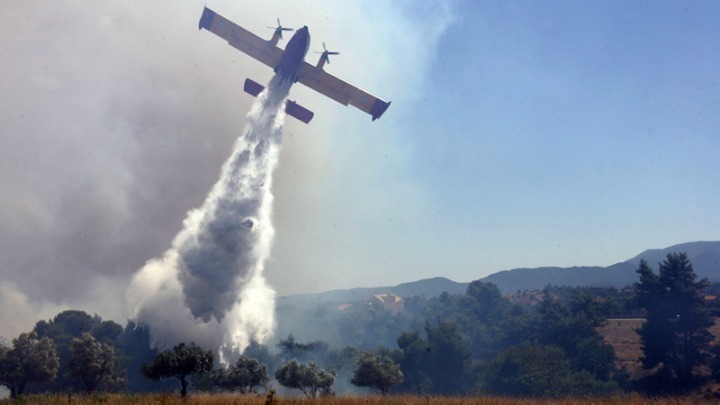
(290, 65)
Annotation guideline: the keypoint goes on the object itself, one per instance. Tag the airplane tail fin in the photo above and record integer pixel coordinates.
(291, 108)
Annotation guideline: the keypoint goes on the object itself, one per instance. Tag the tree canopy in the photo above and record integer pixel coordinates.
(29, 360)
(533, 343)
(379, 373)
(437, 364)
(92, 361)
(244, 375)
(180, 362)
(676, 334)
(62, 329)
(540, 371)
(310, 379)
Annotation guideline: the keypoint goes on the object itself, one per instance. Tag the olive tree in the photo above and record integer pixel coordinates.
(309, 379)
(91, 360)
(242, 376)
(29, 360)
(379, 373)
(180, 362)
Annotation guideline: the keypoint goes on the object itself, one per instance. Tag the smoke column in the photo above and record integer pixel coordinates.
(208, 287)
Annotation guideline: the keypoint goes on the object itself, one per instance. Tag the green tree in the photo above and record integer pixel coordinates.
(379, 373)
(488, 319)
(596, 356)
(262, 354)
(136, 350)
(92, 361)
(242, 376)
(180, 362)
(292, 349)
(486, 301)
(448, 358)
(676, 332)
(107, 332)
(540, 371)
(413, 358)
(437, 364)
(574, 330)
(62, 329)
(29, 360)
(309, 379)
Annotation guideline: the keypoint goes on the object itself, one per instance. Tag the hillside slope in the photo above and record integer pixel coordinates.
(704, 256)
(427, 288)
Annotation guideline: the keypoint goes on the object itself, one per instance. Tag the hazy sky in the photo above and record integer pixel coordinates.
(521, 134)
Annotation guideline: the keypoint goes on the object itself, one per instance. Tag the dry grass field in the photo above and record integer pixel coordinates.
(620, 333)
(226, 399)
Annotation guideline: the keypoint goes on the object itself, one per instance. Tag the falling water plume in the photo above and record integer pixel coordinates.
(208, 287)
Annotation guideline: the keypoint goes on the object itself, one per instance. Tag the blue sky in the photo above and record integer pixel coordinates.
(571, 133)
(548, 134)
(521, 134)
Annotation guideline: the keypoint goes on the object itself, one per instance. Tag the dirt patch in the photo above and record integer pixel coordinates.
(621, 335)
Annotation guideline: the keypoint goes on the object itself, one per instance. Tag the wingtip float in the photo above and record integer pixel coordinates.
(290, 64)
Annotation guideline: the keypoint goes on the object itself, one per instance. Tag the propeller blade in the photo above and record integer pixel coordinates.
(326, 54)
(279, 29)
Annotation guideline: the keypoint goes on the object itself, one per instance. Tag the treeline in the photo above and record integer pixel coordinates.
(478, 343)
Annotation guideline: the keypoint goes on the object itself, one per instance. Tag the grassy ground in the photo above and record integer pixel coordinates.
(203, 399)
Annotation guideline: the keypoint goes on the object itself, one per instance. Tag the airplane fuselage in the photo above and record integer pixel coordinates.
(294, 55)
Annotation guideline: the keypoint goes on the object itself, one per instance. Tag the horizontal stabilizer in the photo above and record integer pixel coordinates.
(291, 108)
(253, 87)
(296, 110)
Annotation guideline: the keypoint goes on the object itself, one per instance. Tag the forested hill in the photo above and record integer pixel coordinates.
(705, 258)
(427, 288)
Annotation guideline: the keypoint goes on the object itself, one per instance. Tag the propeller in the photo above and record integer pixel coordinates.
(279, 29)
(326, 54)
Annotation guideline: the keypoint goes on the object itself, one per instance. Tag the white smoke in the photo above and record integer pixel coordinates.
(208, 288)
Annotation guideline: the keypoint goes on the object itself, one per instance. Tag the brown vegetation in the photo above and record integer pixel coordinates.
(621, 335)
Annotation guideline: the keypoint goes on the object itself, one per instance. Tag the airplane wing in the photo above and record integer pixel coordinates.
(240, 38)
(340, 91)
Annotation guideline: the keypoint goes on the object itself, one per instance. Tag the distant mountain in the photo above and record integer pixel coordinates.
(317, 316)
(704, 256)
(428, 288)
